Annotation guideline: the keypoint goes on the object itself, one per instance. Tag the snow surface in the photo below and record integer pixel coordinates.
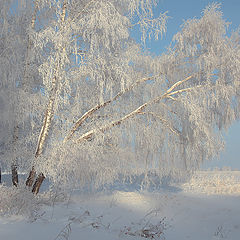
(167, 214)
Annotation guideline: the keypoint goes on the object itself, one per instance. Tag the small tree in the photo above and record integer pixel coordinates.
(113, 109)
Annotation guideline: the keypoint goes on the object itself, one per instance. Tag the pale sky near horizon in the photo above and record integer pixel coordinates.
(180, 10)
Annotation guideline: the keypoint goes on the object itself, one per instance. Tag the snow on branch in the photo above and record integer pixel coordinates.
(97, 107)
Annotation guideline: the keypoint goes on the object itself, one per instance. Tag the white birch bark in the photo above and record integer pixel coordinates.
(51, 102)
(47, 119)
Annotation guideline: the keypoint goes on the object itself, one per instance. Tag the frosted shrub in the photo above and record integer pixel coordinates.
(18, 201)
(215, 182)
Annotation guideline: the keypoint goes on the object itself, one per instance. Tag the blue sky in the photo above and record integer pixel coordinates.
(180, 10)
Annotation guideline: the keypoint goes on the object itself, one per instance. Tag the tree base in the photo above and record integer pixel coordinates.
(31, 177)
(14, 176)
(38, 183)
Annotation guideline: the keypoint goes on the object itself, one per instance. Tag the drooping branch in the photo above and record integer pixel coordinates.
(97, 107)
(137, 111)
(170, 110)
(117, 122)
(86, 115)
(164, 121)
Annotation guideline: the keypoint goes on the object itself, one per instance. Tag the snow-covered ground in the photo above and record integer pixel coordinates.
(208, 207)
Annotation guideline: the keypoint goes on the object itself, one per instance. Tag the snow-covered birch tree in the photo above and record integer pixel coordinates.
(113, 109)
(20, 84)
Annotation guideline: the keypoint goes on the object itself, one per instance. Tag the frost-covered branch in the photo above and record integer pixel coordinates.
(164, 121)
(168, 93)
(97, 107)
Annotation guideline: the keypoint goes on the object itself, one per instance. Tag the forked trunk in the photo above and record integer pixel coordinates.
(14, 175)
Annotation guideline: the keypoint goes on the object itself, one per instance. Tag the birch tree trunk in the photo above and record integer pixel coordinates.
(42, 138)
(29, 48)
(38, 183)
(25, 86)
(31, 177)
(32, 173)
(47, 120)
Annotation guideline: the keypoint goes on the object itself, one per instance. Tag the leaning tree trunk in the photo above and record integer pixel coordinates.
(38, 183)
(31, 177)
(46, 122)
